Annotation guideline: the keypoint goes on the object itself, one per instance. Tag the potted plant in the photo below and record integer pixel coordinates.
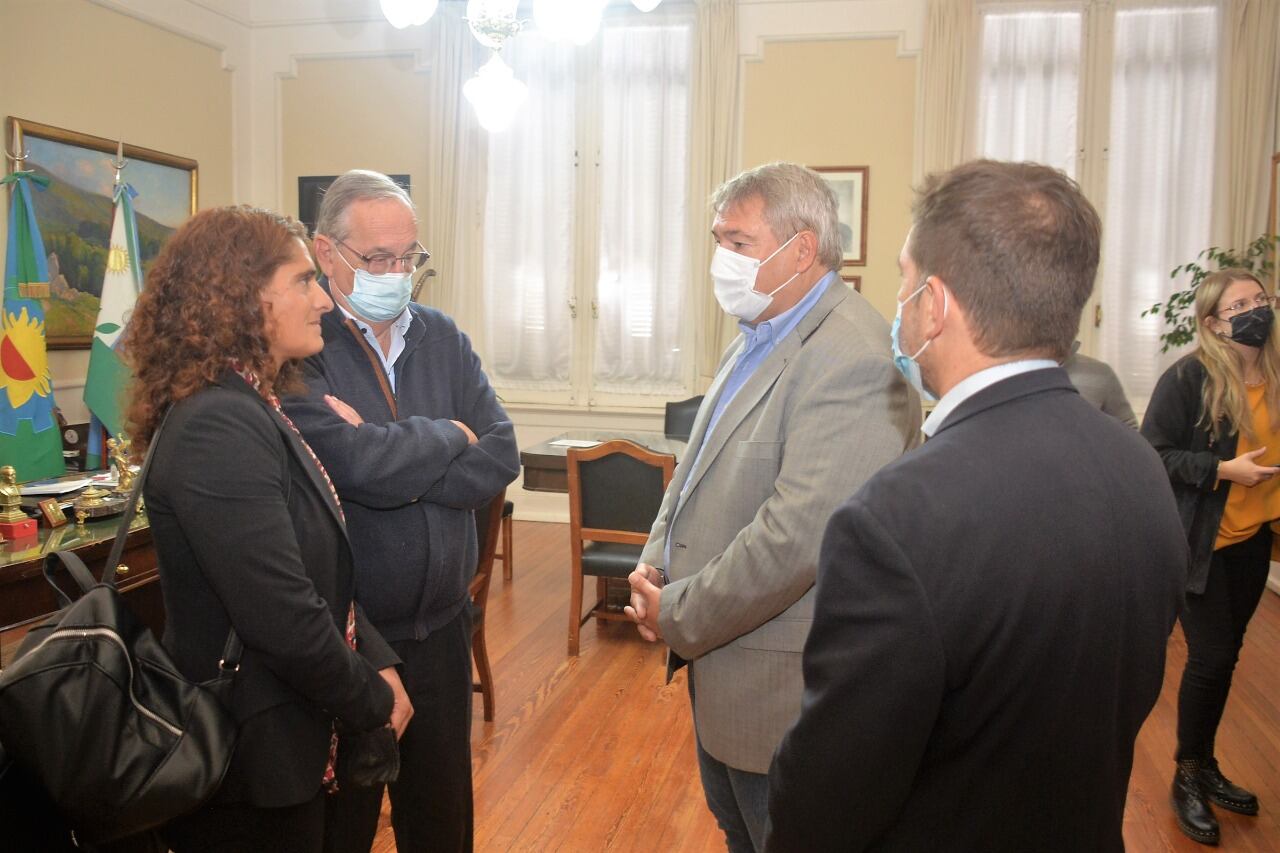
(1179, 318)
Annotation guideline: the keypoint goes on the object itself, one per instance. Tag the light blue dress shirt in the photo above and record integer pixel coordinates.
(975, 382)
(761, 339)
(398, 327)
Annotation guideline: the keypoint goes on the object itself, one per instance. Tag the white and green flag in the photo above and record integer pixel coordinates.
(109, 376)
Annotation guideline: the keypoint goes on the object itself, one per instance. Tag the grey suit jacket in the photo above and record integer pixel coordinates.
(823, 412)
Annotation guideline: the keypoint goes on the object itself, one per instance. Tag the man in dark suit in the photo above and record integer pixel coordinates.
(992, 608)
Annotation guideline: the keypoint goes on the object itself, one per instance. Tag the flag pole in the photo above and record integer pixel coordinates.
(22, 154)
(119, 163)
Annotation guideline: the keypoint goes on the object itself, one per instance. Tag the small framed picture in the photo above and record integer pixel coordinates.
(850, 183)
(52, 512)
(854, 281)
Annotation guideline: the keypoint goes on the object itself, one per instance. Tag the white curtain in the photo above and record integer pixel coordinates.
(1160, 175)
(454, 184)
(1253, 51)
(946, 72)
(1029, 86)
(642, 289)
(529, 224)
(713, 160)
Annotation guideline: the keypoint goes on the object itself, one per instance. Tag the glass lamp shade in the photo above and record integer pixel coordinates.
(408, 13)
(646, 5)
(569, 20)
(496, 94)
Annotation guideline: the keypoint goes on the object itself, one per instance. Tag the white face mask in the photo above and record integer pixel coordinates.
(734, 277)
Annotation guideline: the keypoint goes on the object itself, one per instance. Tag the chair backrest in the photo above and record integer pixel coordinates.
(488, 529)
(615, 490)
(678, 422)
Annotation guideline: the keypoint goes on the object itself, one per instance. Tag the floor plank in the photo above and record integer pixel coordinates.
(595, 753)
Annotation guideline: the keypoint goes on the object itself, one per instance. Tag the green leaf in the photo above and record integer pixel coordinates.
(107, 328)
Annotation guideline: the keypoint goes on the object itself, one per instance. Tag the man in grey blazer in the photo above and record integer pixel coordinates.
(806, 406)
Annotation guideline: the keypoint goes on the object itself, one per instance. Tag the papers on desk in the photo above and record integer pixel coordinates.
(62, 485)
(574, 442)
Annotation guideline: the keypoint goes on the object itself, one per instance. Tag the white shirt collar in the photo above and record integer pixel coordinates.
(975, 382)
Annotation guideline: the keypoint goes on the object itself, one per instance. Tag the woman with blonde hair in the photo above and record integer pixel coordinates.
(1214, 417)
(248, 531)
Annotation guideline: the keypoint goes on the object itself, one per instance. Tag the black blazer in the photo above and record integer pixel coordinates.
(247, 533)
(990, 628)
(1191, 455)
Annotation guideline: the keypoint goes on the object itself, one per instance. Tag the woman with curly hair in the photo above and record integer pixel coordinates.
(247, 528)
(1214, 417)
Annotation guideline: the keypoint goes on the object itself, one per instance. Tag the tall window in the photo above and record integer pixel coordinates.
(1030, 86)
(1121, 96)
(586, 257)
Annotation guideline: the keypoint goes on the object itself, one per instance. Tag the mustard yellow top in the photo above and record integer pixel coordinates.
(1250, 507)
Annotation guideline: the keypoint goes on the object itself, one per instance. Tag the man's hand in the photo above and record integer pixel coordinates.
(471, 436)
(402, 710)
(646, 593)
(344, 411)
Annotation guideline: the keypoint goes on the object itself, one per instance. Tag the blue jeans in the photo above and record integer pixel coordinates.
(738, 799)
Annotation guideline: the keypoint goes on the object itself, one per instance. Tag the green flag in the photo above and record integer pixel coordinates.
(108, 375)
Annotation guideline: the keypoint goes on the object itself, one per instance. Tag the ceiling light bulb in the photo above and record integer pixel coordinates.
(496, 94)
(407, 13)
(646, 5)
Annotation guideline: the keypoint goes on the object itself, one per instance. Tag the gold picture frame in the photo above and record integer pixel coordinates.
(75, 214)
(52, 513)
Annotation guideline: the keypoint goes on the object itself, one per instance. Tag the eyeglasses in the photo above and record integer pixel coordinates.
(383, 262)
(1240, 306)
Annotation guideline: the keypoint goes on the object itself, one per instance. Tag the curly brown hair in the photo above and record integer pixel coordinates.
(200, 309)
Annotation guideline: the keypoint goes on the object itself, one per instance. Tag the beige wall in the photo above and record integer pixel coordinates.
(341, 114)
(849, 102)
(72, 64)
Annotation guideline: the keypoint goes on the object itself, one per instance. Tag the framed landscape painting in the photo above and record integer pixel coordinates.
(850, 186)
(75, 212)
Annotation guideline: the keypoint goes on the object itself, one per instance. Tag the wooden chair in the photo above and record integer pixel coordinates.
(508, 509)
(615, 491)
(488, 527)
(678, 419)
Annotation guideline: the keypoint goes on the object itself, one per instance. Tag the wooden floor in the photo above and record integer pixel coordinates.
(595, 753)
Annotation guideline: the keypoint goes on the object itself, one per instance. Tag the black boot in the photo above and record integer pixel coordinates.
(1221, 790)
(1195, 818)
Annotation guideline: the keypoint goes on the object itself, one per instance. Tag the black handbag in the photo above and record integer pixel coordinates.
(94, 710)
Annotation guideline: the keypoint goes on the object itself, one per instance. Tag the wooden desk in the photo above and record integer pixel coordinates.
(545, 467)
(26, 597)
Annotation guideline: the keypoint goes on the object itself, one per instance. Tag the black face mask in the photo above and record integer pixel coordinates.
(1252, 328)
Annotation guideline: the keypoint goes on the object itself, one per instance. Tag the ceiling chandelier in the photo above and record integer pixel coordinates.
(495, 93)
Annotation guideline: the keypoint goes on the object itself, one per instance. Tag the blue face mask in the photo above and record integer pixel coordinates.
(907, 364)
(378, 298)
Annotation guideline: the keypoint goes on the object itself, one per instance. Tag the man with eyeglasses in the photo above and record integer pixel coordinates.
(402, 417)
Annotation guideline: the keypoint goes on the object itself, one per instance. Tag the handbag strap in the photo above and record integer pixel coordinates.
(234, 648)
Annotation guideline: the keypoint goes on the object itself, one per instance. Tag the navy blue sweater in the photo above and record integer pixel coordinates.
(408, 482)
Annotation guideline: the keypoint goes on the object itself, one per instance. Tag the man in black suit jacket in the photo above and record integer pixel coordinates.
(992, 608)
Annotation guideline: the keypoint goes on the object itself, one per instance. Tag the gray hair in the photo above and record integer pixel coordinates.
(795, 199)
(356, 185)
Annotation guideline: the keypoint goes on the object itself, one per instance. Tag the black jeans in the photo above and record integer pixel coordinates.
(431, 807)
(1214, 625)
